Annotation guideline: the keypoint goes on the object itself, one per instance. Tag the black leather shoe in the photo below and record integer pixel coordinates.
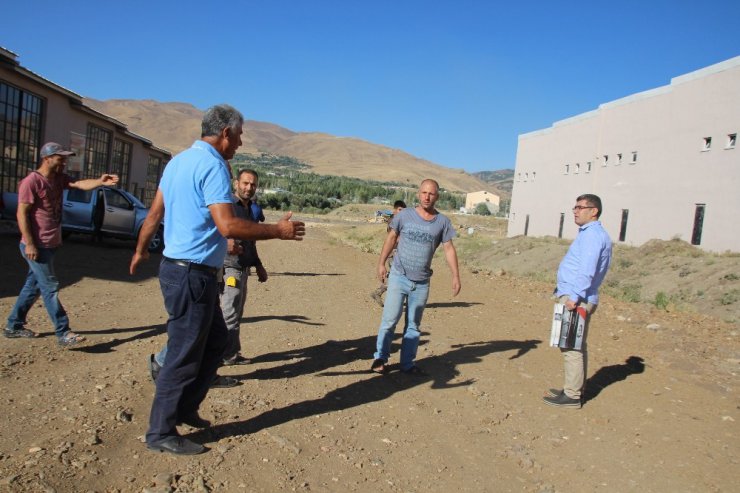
(236, 360)
(194, 421)
(554, 392)
(224, 382)
(153, 368)
(177, 445)
(562, 400)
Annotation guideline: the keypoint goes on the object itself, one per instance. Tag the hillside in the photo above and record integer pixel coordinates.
(174, 126)
(501, 180)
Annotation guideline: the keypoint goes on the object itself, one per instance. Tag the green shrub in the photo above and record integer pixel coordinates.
(729, 297)
(661, 300)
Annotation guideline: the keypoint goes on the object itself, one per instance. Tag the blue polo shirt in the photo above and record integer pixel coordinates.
(193, 180)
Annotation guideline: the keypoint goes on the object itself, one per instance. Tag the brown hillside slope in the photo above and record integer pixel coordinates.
(174, 126)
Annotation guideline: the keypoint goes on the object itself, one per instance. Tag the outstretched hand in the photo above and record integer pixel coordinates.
(108, 180)
(290, 230)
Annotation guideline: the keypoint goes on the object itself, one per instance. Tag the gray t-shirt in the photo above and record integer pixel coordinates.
(418, 240)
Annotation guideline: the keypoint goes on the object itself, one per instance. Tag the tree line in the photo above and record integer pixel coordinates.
(286, 184)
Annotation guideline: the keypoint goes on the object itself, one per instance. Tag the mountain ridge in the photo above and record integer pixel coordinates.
(175, 125)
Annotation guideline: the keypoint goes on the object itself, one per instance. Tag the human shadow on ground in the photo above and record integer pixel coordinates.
(299, 319)
(107, 346)
(74, 261)
(607, 375)
(372, 388)
(452, 304)
(314, 359)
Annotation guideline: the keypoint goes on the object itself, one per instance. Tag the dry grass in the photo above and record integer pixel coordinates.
(671, 275)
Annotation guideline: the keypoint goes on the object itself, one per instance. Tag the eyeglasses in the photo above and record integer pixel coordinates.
(581, 207)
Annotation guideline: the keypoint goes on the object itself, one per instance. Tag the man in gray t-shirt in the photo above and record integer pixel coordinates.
(418, 231)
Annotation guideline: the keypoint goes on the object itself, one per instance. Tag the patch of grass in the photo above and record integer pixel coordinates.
(661, 300)
(730, 277)
(624, 263)
(626, 292)
(729, 297)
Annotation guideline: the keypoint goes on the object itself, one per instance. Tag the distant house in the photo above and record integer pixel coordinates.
(34, 110)
(665, 163)
(483, 197)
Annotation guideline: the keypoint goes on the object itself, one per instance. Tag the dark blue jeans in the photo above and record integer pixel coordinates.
(196, 338)
(40, 279)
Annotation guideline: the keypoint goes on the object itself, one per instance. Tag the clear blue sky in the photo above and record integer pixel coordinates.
(454, 82)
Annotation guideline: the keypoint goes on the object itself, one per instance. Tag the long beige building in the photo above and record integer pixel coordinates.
(665, 162)
(34, 110)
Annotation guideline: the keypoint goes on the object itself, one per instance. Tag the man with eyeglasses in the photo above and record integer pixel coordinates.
(580, 274)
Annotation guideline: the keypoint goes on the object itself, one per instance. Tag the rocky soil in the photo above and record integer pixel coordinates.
(661, 412)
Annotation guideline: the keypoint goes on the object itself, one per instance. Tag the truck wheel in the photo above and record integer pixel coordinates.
(157, 243)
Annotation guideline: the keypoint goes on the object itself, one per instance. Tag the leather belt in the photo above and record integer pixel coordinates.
(191, 265)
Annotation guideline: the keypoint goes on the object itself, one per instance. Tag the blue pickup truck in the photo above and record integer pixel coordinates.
(106, 211)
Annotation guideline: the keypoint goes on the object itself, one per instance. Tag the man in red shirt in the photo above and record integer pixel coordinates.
(40, 222)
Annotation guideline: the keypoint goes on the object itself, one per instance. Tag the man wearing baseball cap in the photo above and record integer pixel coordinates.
(40, 222)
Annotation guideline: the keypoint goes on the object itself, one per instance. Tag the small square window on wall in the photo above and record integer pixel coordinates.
(619, 158)
(577, 168)
(588, 167)
(567, 169)
(606, 160)
(634, 157)
(534, 174)
(706, 144)
(731, 141)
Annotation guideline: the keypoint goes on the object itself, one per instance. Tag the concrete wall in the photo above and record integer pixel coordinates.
(672, 173)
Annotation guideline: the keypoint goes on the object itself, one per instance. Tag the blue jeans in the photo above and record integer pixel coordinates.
(40, 279)
(415, 294)
(196, 337)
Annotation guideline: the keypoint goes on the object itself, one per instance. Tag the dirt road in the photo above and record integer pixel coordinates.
(661, 411)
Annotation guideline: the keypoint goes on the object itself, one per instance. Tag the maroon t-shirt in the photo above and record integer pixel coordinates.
(45, 197)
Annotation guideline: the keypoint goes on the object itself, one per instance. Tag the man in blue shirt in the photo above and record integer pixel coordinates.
(580, 274)
(194, 197)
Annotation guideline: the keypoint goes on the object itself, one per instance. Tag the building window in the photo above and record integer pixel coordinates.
(560, 227)
(577, 168)
(588, 167)
(121, 163)
(623, 227)
(153, 173)
(698, 224)
(519, 177)
(707, 144)
(21, 117)
(619, 158)
(731, 141)
(526, 225)
(534, 174)
(97, 154)
(567, 169)
(606, 160)
(526, 176)
(634, 157)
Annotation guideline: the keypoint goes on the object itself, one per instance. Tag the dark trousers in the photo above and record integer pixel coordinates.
(195, 345)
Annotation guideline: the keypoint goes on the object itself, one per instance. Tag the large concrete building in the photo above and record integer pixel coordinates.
(665, 163)
(34, 110)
